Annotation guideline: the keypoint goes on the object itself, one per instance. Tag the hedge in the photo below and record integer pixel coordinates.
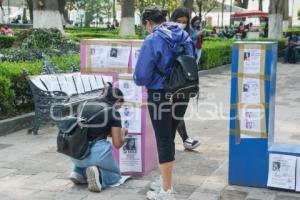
(217, 53)
(15, 94)
(6, 42)
(90, 35)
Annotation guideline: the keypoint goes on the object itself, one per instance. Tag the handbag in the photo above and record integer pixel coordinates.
(72, 137)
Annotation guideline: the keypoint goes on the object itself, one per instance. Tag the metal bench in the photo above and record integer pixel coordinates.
(52, 93)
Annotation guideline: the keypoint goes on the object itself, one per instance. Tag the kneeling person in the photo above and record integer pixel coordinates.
(99, 169)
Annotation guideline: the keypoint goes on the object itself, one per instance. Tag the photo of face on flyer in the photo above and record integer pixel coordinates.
(246, 56)
(130, 145)
(114, 52)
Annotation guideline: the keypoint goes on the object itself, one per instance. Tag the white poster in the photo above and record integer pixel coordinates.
(251, 90)
(131, 118)
(108, 56)
(131, 91)
(252, 61)
(131, 154)
(250, 119)
(99, 56)
(135, 55)
(282, 171)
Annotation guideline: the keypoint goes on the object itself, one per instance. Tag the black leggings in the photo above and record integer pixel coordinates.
(181, 129)
(165, 117)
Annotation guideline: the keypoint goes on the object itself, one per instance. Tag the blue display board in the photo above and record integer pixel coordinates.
(253, 88)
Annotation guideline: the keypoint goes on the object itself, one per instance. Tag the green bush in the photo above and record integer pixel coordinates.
(215, 54)
(14, 88)
(6, 97)
(6, 42)
(40, 39)
(294, 31)
(93, 35)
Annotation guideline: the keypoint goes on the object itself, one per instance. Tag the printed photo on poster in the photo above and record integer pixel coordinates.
(251, 91)
(282, 171)
(135, 55)
(131, 118)
(251, 61)
(119, 57)
(98, 56)
(131, 91)
(250, 120)
(131, 155)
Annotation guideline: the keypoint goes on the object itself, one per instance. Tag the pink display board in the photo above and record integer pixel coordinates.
(139, 155)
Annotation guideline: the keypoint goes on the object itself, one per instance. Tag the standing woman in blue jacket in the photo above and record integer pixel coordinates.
(157, 56)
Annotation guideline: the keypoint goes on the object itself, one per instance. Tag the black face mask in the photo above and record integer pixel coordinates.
(197, 27)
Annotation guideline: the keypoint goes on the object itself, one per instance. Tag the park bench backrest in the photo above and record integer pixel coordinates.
(51, 83)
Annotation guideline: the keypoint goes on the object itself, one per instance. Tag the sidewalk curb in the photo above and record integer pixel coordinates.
(14, 124)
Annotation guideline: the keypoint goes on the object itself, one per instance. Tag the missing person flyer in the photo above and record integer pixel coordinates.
(131, 154)
(252, 58)
(109, 56)
(282, 171)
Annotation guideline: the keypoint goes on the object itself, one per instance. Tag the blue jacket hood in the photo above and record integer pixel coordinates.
(173, 35)
(158, 54)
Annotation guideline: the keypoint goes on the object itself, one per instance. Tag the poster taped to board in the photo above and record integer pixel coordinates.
(282, 171)
(109, 56)
(251, 91)
(131, 154)
(131, 118)
(131, 91)
(252, 61)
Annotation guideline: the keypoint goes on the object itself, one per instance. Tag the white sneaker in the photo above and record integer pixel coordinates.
(77, 178)
(161, 195)
(191, 144)
(156, 185)
(93, 179)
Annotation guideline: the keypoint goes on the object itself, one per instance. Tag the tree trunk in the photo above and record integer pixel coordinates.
(114, 10)
(63, 11)
(242, 3)
(127, 26)
(200, 6)
(189, 4)
(46, 14)
(30, 8)
(276, 11)
(1, 13)
(260, 6)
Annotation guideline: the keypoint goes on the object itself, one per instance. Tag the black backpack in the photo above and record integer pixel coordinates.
(72, 137)
(183, 81)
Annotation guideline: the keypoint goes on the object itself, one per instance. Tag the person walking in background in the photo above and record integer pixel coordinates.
(197, 34)
(158, 53)
(182, 17)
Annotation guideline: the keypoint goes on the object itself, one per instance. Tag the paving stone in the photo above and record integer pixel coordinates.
(204, 196)
(5, 172)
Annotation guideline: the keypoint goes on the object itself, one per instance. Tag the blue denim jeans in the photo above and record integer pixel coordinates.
(100, 156)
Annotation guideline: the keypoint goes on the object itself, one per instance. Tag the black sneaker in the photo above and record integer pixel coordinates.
(190, 144)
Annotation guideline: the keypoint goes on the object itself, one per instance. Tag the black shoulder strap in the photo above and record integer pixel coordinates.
(96, 114)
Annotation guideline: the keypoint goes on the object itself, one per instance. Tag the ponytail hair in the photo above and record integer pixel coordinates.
(154, 14)
(111, 94)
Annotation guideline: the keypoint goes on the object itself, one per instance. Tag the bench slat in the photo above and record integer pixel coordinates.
(86, 83)
(71, 83)
(51, 83)
(78, 83)
(38, 83)
(93, 82)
